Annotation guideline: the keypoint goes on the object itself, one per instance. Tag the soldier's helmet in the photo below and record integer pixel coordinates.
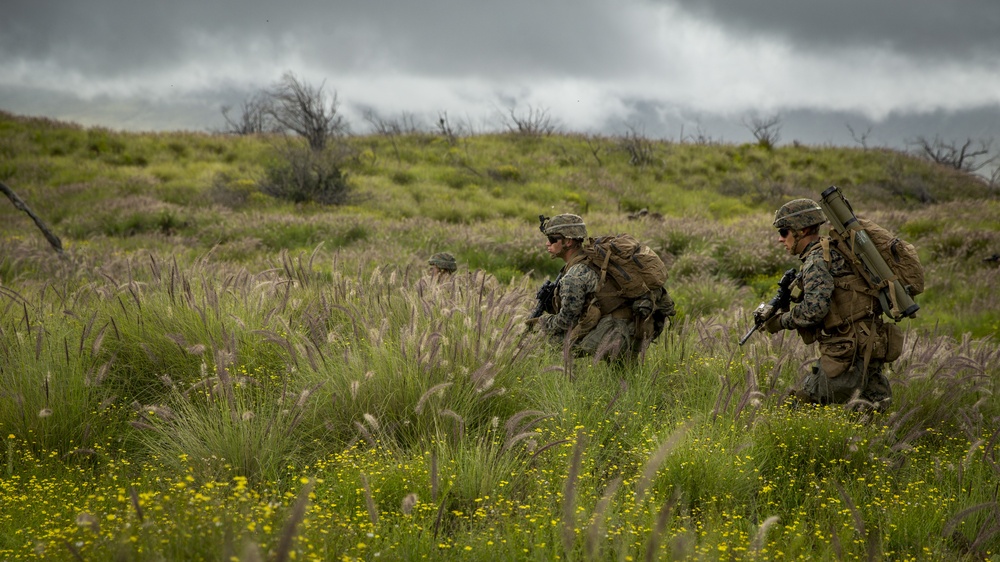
(443, 260)
(799, 214)
(568, 226)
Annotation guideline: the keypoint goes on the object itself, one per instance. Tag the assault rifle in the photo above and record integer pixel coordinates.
(544, 296)
(777, 303)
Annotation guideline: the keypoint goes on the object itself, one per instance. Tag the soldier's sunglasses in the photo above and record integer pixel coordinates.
(783, 232)
(554, 239)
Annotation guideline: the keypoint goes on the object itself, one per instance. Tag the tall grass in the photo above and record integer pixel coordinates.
(431, 391)
(261, 380)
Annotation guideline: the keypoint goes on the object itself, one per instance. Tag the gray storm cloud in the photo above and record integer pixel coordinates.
(590, 63)
(928, 30)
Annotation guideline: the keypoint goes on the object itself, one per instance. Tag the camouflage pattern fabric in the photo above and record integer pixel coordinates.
(817, 287)
(610, 338)
(577, 283)
(443, 260)
(799, 214)
(833, 379)
(570, 226)
(871, 386)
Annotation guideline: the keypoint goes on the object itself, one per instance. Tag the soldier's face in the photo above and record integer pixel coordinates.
(788, 239)
(556, 246)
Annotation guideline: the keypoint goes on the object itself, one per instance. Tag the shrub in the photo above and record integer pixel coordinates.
(403, 177)
(303, 175)
(230, 192)
(506, 172)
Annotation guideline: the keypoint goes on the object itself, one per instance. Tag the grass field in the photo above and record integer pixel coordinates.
(212, 373)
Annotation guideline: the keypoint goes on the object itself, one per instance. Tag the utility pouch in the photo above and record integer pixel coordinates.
(893, 342)
(837, 354)
(588, 320)
(850, 301)
(808, 335)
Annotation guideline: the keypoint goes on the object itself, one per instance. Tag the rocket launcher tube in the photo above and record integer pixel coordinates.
(896, 302)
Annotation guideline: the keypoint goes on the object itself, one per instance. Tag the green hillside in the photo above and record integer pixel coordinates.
(208, 372)
(707, 206)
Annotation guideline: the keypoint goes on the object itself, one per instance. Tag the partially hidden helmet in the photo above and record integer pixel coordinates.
(443, 260)
(799, 214)
(568, 226)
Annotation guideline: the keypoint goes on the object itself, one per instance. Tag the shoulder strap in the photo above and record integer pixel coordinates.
(604, 268)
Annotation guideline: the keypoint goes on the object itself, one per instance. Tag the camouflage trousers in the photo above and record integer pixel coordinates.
(611, 338)
(870, 385)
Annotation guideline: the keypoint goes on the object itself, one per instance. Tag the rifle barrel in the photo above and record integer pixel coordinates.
(749, 333)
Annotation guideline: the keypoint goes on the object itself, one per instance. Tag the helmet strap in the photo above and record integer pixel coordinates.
(796, 238)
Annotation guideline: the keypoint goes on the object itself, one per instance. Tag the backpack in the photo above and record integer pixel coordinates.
(888, 266)
(634, 267)
(629, 270)
(899, 255)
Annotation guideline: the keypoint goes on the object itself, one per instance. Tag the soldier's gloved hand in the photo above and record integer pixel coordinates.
(762, 312)
(642, 308)
(773, 324)
(531, 322)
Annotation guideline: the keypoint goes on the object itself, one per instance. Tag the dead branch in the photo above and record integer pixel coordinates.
(18, 203)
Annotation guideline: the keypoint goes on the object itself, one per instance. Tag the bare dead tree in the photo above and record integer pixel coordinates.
(861, 139)
(638, 146)
(389, 129)
(446, 129)
(20, 204)
(254, 116)
(405, 124)
(595, 145)
(766, 130)
(381, 126)
(534, 123)
(410, 124)
(698, 137)
(965, 157)
(305, 109)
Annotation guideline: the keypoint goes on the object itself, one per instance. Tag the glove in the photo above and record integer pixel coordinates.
(773, 324)
(531, 322)
(642, 308)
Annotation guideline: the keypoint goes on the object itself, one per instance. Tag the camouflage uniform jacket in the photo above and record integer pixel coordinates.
(576, 285)
(817, 282)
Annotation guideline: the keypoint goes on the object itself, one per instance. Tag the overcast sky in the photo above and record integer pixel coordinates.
(891, 70)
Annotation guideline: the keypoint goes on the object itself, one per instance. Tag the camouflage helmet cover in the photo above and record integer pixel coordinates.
(443, 260)
(566, 225)
(799, 214)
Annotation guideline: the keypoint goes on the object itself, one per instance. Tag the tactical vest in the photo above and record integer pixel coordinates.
(853, 325)
(852, 298)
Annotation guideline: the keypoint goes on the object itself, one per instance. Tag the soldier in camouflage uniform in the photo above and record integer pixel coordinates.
(851, 352)
(576, 286)
(442, 265)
